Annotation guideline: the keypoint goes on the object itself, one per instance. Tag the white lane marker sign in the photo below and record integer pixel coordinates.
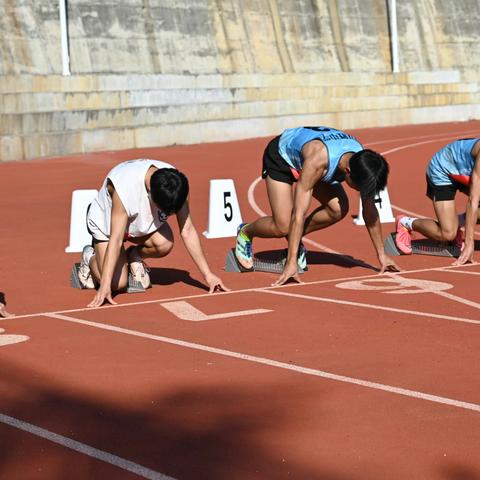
(223, 209)
(185, 311)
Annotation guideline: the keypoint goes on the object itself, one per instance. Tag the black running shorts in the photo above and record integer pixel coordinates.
(274, 166)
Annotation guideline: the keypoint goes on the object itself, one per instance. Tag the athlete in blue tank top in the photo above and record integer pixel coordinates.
(454, 167)
(317, 159)
(337, 143)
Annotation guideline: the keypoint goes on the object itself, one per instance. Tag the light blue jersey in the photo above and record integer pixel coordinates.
(337, 142)
(454, 159)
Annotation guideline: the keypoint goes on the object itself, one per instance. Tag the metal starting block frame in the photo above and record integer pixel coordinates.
(133, 286)
(423, 247)
(259, 264)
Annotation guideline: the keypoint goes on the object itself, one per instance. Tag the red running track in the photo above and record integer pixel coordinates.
(347, 376)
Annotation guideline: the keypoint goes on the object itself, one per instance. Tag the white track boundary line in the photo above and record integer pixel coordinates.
(277, 364)
(461, 271)
(84, 449)
(235, 292)
(373, 306)
(418, 137)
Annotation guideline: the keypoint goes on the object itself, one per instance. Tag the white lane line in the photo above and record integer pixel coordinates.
(418, 137)
(373, 306)
(459, 271)
(277, 364)
(235, 292)
(410, 145)
(84, 449)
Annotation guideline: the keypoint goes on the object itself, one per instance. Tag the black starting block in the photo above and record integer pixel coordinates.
(133, 286)
(423, 246)
(275, 265)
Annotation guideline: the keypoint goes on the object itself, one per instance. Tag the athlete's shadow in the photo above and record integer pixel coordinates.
(318, 258)
(169, 276)
(340, 260)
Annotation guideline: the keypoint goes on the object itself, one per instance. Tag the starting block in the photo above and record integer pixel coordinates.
(133, 286)
(423, 246)
(267, 265)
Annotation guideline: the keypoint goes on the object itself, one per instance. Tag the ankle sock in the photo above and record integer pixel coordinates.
(407, 222)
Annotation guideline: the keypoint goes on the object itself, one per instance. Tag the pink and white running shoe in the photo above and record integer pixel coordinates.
(403, 238)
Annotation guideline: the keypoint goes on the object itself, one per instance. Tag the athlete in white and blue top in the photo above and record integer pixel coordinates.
(454, 167)
(452, 162)
(337, 143)
(317, 159)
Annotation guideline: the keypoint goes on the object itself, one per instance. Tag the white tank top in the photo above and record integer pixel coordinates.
(128, 179)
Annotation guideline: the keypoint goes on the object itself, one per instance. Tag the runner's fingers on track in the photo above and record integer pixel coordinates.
(465, 257)
(288, 272)
(218, 287)
(100, 299)
(215, 284)
(392, 267)
(388, 265)
(4, 313)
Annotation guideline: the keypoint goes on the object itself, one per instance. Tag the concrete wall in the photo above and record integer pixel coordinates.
(157, 72)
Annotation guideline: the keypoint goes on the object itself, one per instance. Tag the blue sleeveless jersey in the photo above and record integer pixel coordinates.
(337, 142)
(453, 159)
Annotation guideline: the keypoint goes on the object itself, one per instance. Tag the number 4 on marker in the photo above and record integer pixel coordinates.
(185, 311)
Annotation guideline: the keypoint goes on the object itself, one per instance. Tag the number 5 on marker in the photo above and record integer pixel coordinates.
(223, 210)
(228, 206)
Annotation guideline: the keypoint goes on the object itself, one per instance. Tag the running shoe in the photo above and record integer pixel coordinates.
(460, 238)
(302, 258)
(138, 269)
(243, 249)
(403, 238)
(84, 274)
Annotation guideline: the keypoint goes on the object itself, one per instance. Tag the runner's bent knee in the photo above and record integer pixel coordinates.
(338, 210)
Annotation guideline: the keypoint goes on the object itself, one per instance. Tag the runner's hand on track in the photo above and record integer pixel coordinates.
(102, 295)
(387, 265)
(215, 284)
(290, 271)
(4, 313)
(466, 256)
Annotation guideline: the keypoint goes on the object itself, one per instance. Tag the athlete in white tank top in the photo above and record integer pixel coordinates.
(128, 179)
(133, 204)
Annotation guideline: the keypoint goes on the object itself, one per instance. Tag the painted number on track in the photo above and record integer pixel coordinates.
(11, 339)
(395, 285)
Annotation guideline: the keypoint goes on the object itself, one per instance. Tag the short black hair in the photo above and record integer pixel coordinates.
(169, 189)
(369, 172)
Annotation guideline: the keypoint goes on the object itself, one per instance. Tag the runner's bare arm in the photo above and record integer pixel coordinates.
(314, 166)
(191, 240)
(374, 227)
(119, 221)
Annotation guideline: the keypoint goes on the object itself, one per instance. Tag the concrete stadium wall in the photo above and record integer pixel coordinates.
(159, 72)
